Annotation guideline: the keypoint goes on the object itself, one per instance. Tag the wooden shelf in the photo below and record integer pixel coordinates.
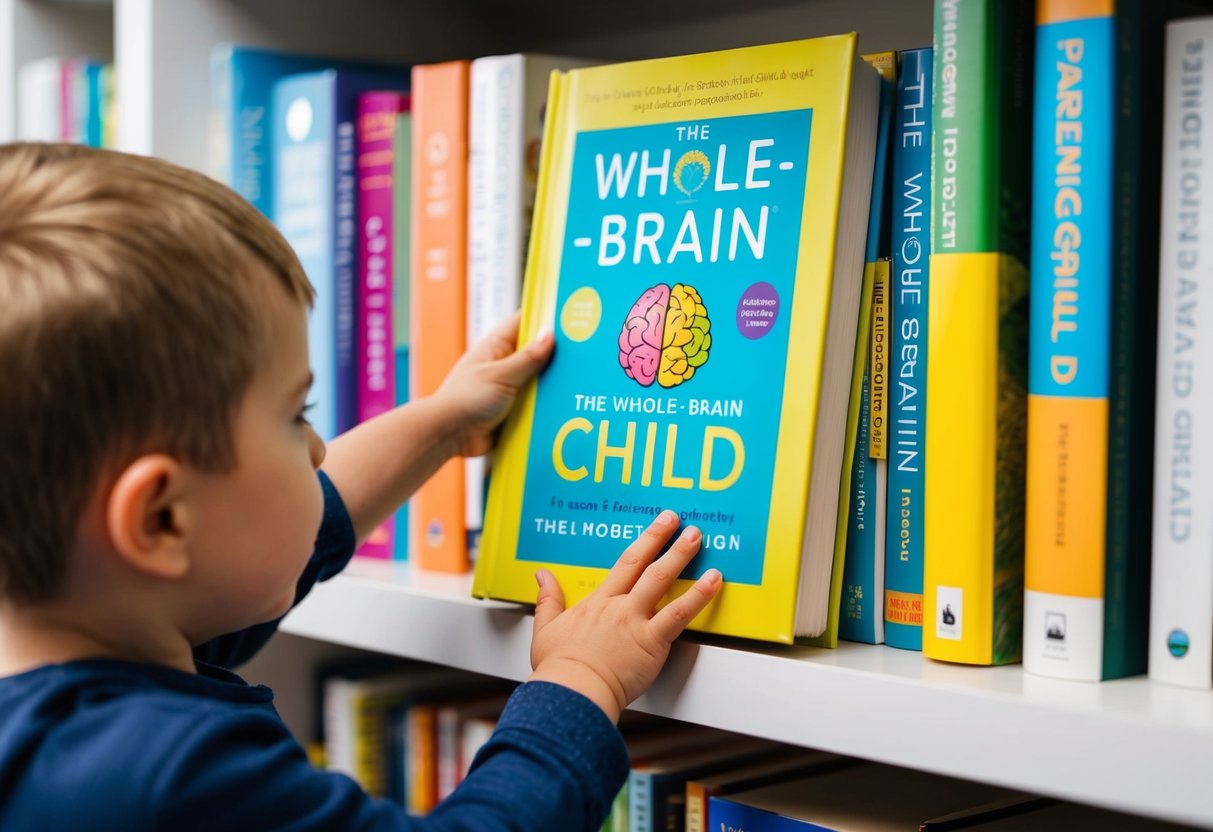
(1129, 745)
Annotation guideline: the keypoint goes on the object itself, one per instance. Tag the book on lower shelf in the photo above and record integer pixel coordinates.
(698, 247)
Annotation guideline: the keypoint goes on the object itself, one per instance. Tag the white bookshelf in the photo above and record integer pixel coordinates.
(33, 29)
(1129, 745)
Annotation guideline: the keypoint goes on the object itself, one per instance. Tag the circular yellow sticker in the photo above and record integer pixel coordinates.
(581, 314)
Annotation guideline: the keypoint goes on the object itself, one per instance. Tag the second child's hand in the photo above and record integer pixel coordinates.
(611, 645)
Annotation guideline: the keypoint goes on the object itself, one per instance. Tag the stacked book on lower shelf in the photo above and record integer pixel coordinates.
(1129, 745)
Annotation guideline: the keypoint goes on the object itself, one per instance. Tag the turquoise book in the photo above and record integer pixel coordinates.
(861, 616)
(402, 189)
(911, 244)
(314, 206)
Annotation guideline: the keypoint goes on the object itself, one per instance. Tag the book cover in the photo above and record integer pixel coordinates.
(1181, 584)
(861, 617)
(977, 341)
(911, 245)
(438, 286)
(697, 249)
(1069, 341)
(314, 154)
(507, 107)
(402, 212)
(374, 138)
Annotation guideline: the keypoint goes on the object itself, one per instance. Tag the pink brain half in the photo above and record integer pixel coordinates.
(640, 339)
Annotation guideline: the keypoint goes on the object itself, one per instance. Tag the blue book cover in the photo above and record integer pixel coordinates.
(908, 394)
(861, 617)
(314, 202)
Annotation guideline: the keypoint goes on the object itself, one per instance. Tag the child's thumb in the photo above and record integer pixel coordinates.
(550, 601)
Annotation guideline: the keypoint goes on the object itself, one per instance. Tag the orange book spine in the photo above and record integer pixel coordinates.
(438, 284)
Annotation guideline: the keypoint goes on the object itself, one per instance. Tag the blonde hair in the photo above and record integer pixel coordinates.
(128, 324)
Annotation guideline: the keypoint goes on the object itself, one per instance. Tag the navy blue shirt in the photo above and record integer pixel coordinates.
(112, 745)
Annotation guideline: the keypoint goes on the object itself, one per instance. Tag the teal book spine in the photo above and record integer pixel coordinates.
(402, 184)
(909, 297)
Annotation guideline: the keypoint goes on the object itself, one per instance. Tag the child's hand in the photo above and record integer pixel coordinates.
(611, 645)
(482, 386)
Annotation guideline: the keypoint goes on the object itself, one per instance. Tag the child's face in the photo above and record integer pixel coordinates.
(260, 520)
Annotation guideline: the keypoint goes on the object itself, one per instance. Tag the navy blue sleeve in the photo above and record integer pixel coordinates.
(334, 548)
(555, 762)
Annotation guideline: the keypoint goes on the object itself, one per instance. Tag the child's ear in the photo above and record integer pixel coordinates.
(148, 518)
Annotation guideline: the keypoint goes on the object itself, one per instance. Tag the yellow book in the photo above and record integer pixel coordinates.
(973, 520)
(697, 248)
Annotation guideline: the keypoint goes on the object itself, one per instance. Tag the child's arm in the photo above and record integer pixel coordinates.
(377, 465)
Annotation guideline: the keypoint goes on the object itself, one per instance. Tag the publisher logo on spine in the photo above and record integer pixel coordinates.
(949, 608)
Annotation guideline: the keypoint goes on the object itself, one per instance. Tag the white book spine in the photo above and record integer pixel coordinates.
(39, 88)
(1181, 595)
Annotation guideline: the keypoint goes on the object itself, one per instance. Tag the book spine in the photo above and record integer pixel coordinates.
(1134, 313)
(344, 271)
(304, 160)
(640, 801)
(423, 759)
(1181, 601)
(1064, 559)
(251, 168)
(438, 287)
(402, 194)
(495, 218)
(697, 807)
(375, 125)
(977, 375)
(908, 400)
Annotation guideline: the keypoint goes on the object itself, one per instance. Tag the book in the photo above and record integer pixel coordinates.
(374, 143)
(787, 764)
(438, 287)
(702, 271)
(451, 720)
(1181, 583)
(1086, 584)
(860, 798)
(314, 207)
(977, 341)
(402, 210)
(507, 106)
(861, 617)
(911, 245)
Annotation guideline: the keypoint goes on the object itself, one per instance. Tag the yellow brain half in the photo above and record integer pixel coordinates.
(687, 338)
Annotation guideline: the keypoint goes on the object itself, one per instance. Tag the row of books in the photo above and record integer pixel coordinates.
(1010, 294)
(404, 731)
(415, 256)
(409, 732)
(700, 229)
(66, 100)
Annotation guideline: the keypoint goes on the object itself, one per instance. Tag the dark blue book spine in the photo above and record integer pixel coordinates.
(908, 377)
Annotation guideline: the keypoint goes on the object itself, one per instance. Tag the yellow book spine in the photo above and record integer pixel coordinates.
(975, 439)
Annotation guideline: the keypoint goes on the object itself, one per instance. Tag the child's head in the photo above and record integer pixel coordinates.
(133, 297)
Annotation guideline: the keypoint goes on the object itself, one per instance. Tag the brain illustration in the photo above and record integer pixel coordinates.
(666, 336)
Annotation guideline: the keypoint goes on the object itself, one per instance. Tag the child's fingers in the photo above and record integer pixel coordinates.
(673, 618)
(660, 576)
(632, 563)
(549, 603)
(499, 342)
(517, 368)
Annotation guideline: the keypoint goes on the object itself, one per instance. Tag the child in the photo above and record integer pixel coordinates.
(163, 503)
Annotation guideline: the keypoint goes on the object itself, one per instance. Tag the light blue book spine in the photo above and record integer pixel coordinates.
(861, 616)
(908, 376)
(302, 108)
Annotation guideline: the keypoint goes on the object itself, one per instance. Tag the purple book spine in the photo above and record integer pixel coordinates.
(376, 120)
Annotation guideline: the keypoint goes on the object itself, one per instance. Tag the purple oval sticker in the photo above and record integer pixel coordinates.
(757, 310)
